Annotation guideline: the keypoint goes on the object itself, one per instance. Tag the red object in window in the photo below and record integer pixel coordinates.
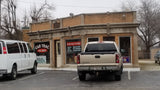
(4, 50)
(78, 43)
(42, 50)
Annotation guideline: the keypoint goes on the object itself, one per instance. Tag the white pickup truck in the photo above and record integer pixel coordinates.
(100, 57)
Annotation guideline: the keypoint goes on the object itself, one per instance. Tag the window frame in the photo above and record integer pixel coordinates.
(130, 48)
(25, 46)
(21, 47)
(30, 50)
(93, 37)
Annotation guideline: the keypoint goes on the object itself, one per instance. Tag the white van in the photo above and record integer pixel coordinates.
(16, 56)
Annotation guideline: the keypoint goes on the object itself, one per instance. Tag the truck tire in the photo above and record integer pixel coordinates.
(121, 69)
(13, 74)
(82, 76)
(117, 77)
(34, 69)
(155, 61)
(159, 62)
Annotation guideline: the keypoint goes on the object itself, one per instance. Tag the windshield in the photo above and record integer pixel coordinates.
(101, 47)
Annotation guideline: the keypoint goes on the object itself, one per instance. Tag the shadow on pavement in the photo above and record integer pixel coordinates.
(20, 75)
(100, 78)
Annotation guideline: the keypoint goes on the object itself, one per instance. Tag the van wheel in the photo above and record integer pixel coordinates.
(34, 69)
(117, 77)
(13, 74)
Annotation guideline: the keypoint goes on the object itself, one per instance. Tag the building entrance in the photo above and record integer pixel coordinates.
(58, 54)
(125, 49)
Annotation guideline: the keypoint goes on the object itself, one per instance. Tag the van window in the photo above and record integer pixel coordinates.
(29, 47)
(25, 48)
(0, 48)
(12, 47)
(21, 47)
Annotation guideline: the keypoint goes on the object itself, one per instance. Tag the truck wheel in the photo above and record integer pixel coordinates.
(159, 62)
(82, 76)
(13, 74)
(117, 77)
(155, 61)
(34, 69)
(121, 70)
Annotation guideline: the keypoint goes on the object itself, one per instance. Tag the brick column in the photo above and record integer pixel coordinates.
(135, 63)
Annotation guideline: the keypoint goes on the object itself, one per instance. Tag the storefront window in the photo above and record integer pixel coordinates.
(73, 47)
(110, 38)
(42, 49)
(125, 49)
(93, 39)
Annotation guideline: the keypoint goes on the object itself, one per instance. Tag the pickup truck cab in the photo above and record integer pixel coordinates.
(16, 56)
(100, 57)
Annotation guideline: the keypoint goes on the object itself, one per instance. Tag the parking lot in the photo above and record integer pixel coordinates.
(68, 80)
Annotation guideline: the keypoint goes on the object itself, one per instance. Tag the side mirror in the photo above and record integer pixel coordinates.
(31, 51)
(123, 50)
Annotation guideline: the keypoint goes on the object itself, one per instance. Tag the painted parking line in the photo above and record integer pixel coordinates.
(25, 78)
(75, 78)
(129, 75)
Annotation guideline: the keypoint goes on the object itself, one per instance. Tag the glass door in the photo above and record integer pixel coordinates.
(125, 49)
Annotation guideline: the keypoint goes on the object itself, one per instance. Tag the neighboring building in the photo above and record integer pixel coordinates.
(25, 36)
(154, 51)
(141, 49)
(57, 42)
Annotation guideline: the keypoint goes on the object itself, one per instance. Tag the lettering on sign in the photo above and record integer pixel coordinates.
(42, 50)
(74, 43)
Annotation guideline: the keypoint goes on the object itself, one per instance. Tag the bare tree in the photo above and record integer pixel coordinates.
(41, 13)
(9, 21)
(129, 5)
(149, 13)
(149, 18)
(25, 20)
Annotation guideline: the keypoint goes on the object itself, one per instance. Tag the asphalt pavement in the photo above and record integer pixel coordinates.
(68, 80)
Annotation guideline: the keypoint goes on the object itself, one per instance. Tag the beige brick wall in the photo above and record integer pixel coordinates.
(40, 26)
(99, 18)
(71, 21)
(25, 36)
(109, 18)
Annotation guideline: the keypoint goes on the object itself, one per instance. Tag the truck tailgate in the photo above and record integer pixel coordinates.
(97, 58)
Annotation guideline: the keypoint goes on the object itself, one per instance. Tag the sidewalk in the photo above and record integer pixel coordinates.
(145, 65)
(149, 65)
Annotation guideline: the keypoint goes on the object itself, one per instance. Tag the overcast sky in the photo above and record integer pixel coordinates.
(64, 7)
